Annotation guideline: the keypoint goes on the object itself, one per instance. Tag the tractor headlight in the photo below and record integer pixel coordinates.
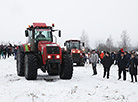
(48, 56)
(78, 51)
(57, 56)
(83, 49)
(65, 49)
(73, 51)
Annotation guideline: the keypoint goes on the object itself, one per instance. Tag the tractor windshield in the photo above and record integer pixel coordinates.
(41, 34)
(74, 45)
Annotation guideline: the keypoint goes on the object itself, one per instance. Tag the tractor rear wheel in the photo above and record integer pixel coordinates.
(30, 66)
(20, 63)
(66, 67)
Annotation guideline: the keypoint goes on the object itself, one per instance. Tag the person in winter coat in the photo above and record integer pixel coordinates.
(128, 58)
(4, 53)
(94, 59)
(119, 54)
(122, 65)
(113, 56)
(107, 62)
(133, 67)
(15, 53)
(101, 56)
(89, 54)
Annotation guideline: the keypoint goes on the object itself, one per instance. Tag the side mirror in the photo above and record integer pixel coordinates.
(26, 33)
(64, 44)
(59, 33)
(83, 44)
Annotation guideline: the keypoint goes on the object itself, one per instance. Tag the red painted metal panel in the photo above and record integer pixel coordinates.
(39, 24)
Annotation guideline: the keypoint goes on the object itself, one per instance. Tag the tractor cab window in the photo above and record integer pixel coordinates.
(43, 35)
(67, 45)
(30, 35)
(74, 45)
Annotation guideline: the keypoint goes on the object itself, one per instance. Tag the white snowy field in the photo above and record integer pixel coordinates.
(83, 87)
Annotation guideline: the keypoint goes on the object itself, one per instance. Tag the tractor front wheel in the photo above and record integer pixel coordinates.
(66, 67)
(30, 66)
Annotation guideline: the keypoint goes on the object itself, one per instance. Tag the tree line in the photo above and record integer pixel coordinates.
(109, 45)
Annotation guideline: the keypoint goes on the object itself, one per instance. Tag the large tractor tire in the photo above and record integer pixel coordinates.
(66, 67)
(30, 66)
(20, 63)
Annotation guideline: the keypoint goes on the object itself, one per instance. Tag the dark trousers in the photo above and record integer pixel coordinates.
(106, 70)
(124, 73)
(135, 76)
(94, 68)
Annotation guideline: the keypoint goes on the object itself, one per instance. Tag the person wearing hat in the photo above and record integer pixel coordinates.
(94, 59)
(122, 65)
(107, 63)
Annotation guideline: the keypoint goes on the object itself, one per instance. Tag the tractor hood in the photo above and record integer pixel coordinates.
(47, 48)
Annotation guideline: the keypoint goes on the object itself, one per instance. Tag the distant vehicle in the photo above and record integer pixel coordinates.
(74, 47)
(41, 52)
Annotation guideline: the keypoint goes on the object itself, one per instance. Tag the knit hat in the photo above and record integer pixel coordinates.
(121, 50)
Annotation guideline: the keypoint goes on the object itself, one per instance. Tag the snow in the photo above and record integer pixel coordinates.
(83, 87)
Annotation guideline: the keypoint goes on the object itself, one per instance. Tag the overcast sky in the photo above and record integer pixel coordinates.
(99, 18)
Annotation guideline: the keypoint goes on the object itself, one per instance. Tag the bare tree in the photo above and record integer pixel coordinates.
(135, 47)
(109, 43)
(102, 47)
(125, 40)
(84, 38)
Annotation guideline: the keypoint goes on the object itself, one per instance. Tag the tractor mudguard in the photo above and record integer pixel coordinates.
(65, 52)
(24, 48)
(21, 48)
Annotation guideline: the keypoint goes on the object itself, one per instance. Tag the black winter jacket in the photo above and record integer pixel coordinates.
(133, 66)
(107, 62)
(122, 62)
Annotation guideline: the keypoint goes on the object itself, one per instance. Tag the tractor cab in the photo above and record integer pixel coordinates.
(72, 44)
(39, 32)
(76, 49)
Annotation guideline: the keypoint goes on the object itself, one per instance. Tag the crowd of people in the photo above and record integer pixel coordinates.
(126, 62)
(7, 50)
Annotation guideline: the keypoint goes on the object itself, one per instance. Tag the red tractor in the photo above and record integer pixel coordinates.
(74, 47)
(41, 52)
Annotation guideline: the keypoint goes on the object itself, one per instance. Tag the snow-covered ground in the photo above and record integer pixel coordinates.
(83, 87)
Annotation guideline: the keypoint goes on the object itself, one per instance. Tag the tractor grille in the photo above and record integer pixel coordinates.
(75, 55)
(53, 50)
